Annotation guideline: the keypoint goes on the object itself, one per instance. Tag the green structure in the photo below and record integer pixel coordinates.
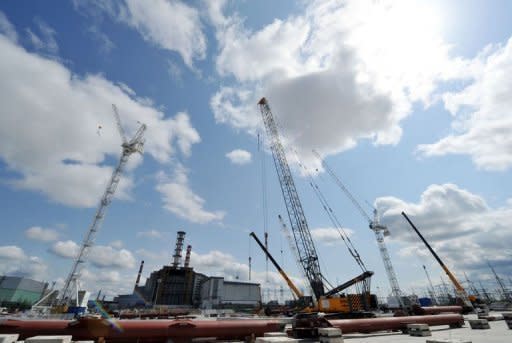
(15, 289)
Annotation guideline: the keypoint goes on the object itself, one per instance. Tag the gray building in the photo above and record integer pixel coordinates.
(15, 289)
(219, 293)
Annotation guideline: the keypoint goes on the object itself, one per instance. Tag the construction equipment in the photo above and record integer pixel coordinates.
(505, 294)
(135, 145)
(308, 257)
(461, 292)
(380, 232)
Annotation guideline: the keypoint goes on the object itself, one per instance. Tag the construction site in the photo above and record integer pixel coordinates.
(176, 303)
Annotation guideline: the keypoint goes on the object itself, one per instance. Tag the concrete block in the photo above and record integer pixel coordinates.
(331, 340)
(275, 334)
(441, 340)
(479, 324)
(507, 315)
(329, 332)
(49, 339)
(509, 323)
(418, 327)
(9, 338)
(275, 340)
(420, 333)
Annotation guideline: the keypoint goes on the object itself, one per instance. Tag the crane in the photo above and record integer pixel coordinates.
(129, 147)
(461, 292)
(308, 257)
(380, 231)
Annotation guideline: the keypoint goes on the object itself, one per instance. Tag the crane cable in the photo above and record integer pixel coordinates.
(264, 198)
(332, 216)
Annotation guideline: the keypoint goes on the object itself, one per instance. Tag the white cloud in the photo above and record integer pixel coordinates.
(55, 147)
(150, 234)
(239, 156)
(182, 201)
(335, 74)
(117, 244)
(66, 249)
(330, 235)
(481, 110)
(7, 28)
(171, 25)
(459, 225)
(100, 256)
(12, 252)
(41, 234)
(14, 261)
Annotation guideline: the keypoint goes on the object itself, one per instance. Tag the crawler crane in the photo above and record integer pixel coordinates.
(308, 258)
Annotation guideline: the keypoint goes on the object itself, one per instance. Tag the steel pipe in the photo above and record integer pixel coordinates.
(141, 330)
(436, 310)
(394, 323)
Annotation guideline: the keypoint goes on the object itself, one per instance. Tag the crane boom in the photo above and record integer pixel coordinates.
(292, 286)
(134, 145)
(304, 241)
(458, 287)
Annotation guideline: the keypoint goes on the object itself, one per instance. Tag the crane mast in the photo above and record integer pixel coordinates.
(379, 230)
(299, 226)
(136, 144)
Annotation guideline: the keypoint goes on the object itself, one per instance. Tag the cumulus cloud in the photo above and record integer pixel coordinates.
(7, 28)
(63, 148)
(334, 74)
(329, 235)
(463, 229)
(481, 110)
(41, 234)
(171, 25)
(239, 156)
(100, 256)
(14, 261)
(179, 199)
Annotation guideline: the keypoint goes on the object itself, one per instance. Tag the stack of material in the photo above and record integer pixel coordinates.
(480, 324)
(9, 338)
(508, 319)
(330, 335)
(419, 330)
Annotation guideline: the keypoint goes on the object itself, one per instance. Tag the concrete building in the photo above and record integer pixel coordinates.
(15, 289)
(219, 293)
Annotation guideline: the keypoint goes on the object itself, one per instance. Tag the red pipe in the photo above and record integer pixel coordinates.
(140, 330)
(436, 309)
(394, 323)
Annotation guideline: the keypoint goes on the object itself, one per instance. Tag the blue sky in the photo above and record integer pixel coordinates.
(409, 102)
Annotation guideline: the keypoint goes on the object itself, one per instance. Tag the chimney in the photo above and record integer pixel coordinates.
(179, 248)
(139, 274)
(187, 256)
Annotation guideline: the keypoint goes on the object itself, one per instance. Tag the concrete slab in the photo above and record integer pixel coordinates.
(12, 338)
(49, 339)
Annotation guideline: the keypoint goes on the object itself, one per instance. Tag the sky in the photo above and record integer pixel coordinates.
(407, 101)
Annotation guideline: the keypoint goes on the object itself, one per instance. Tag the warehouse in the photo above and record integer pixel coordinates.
(219, 293)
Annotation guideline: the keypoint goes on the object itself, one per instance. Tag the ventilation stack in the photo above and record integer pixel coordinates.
(139, 274)
(179, 248)
(187, 256)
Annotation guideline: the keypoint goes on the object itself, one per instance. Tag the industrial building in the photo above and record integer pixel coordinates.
(178, 285)
(219, 293)
(15, 289)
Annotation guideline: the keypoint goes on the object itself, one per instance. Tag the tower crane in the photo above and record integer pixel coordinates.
(129, 147)
(380, 231)
(308, 257)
